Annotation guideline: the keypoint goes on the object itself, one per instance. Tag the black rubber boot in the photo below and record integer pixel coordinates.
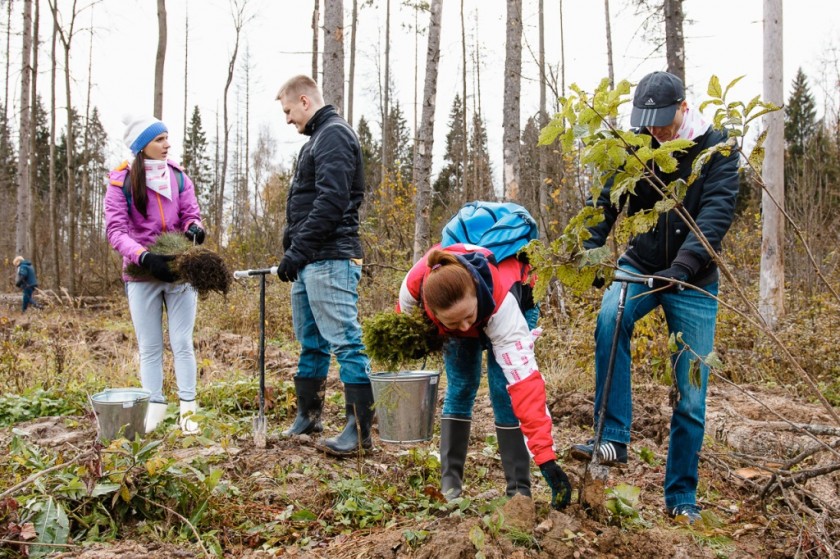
(310, 402)
(516, 460)
(454, 440)
(356, 435)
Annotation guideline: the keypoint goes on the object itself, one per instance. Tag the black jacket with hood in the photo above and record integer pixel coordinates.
(322, 207)
(710, 200)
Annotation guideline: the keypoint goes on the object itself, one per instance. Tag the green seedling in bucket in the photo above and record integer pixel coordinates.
(396, 339)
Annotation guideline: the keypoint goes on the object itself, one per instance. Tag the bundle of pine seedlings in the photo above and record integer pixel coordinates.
(199, 266)
(395, 339)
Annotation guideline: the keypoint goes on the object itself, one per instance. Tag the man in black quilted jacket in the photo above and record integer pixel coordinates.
(323, 258)
(680, 264)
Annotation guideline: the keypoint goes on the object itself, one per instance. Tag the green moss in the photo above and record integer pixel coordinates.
(394, 339)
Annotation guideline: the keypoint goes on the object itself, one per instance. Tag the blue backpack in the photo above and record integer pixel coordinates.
(503, 228)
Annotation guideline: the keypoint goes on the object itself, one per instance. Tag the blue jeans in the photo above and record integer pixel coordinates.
(462, 360)
(326, 320)
(690, 312)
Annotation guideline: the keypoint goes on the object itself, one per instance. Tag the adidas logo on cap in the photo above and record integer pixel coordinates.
(650, 101)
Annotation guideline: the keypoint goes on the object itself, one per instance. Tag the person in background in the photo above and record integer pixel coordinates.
(323, 259)
(674, 255)
(148, 197)
(26, 280)
(478, 304)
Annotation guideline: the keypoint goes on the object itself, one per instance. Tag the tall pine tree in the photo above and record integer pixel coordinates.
(41, 184)
(8, 182)
(370, 155)
(449, 188)
(399, 142)
(800, 117)
(479, 168)
(196, 162)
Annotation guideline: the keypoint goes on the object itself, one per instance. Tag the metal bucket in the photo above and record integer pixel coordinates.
(121, 407)
(405, 405)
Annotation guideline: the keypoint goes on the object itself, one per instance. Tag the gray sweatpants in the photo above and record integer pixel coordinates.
(146, 301)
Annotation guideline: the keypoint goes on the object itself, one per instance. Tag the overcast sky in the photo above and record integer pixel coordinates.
(724, 38)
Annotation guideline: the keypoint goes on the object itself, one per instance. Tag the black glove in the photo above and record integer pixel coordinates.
(289, 267)
(558, 481)
(195, 234)
(158, 265)
(676, 271)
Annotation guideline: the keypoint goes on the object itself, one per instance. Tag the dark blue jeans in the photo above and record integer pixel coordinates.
(693, 314)
(28, 298)
(462, 360)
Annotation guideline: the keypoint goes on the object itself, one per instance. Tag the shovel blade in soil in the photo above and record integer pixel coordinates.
(259, 432)
(593, 494)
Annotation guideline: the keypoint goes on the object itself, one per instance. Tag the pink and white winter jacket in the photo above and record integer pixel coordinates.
(504, 324)
(129, 232)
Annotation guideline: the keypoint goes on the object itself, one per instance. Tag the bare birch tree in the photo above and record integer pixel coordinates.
(238, 14)
(511, 108)
(66, 38)
(8, 58)
(247, 155)
(772, 274)
(610, 70)
(610, 67)
(425, 137)
(33, 137)
(186, 62)
(24, 192)
(542, 197)
(56, 261)
(386, 96)
(674, 39)
(352, 78)
(668, 13)
(160, 58)
(333, 81)
(467, 185)
(316, 18)
(85, 186)
(562, 54)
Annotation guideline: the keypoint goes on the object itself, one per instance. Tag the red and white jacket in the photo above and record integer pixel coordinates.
(502, 321)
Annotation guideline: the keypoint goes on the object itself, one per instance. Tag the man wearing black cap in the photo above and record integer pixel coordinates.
(673, 255)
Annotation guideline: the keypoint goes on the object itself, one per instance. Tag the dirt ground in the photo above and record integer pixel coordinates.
(746, 529)
(569, 534)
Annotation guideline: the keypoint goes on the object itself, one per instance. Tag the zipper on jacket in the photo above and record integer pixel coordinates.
(162, 216)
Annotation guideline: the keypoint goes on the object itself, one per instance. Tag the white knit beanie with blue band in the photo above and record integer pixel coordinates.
(140, 130)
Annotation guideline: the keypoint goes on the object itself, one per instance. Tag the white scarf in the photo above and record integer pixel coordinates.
(693, 124)
(157, 177)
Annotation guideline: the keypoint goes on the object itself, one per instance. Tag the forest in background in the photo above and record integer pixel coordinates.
(55, 199)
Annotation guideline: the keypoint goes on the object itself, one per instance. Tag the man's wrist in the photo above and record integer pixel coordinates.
(689, 262)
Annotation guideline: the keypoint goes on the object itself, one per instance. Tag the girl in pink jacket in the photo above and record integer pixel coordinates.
(159, 197)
